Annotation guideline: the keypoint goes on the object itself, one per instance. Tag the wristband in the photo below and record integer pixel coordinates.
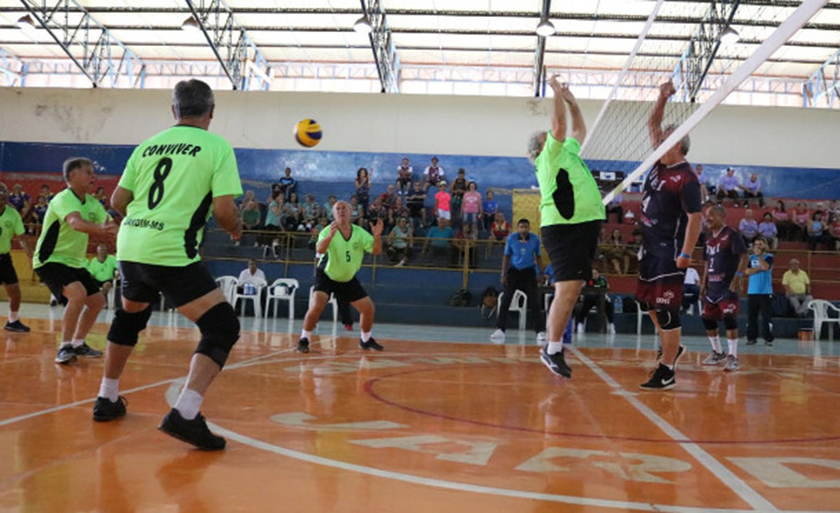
(683, 255)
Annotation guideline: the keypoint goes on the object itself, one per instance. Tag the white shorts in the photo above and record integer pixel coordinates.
(444, 214)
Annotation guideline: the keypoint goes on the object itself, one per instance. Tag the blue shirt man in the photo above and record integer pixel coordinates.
(761, 281)
(760, 293)
(522, 249)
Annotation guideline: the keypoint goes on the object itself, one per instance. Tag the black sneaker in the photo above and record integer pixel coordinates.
(17, 326)
(370, 344)
(680, 353)
(66, 354)
(193, 431)
(85, 351)
(768, 343)
(303, 345)
(105, 410)
(663, 379)
(751, 342)
(556, 363)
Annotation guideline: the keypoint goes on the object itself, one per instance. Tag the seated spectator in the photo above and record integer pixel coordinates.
(19, 199)
(404, 177)
(748, 227)
(457, 189)
(316, 231)
(471, 207)
(834, 233)
(752, 189)
(466, 239)
(327, 209)
(377, 211)
(269, 239)
(728, 186)
(252, 276)
(434, 175)
(705, 188)
(357, 213)
(103, 268)
(797, 288)
(416, 205)
(311, 212)
(489, 208)
(388, 197)
(767, 229)
(591, 300)
(614, 207)
(817, 232)
(500, 229)
(102, 198)
(833, 211)
(443, 202)
(362, 184)
(691, 290)
(439, 241)
(39, 212)
(801, 217)
(397, 211)
(784, 225)
(286, 185)
(46, 192)
(294, 214)
(250, 217)
(617, 253)
(399, 242)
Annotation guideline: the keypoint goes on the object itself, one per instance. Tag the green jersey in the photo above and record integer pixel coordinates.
(174, 177)
(59, 242)
(568, 189)
(343, 258)
(102, 271)
(10, 225)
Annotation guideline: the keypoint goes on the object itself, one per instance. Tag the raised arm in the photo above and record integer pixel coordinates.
(578, 125)
(558, 120)
(655, 122)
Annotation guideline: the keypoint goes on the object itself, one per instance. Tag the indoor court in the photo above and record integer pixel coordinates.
(447, 422)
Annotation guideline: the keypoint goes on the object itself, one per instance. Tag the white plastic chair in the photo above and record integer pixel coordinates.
(228, 286)
(519, 303)
(640, 315)
(331, 301)
(255, 298)
(823, 315)
(281, 290)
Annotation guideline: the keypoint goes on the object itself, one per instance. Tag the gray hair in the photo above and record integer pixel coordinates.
(685, 142)
(192, 98)
(535, 146)
(74, 163)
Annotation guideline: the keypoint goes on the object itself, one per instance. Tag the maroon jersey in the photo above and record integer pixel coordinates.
(723, 254)
(670, 193)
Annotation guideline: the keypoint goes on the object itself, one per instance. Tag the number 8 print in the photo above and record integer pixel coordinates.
(162, 170)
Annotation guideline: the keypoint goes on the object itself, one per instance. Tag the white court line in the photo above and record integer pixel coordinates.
(726, 476)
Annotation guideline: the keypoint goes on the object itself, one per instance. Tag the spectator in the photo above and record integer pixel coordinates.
(404, 177)
(46, 192)
(783, 222)
(270, 238)
(521, 268)
(316, 231)
(833, 211)
(357, 214)
(748, 226)
(362, 184)
(416, 205)
(705, 188)
(250, 217)
(102, 198)
(489, 207)
(434, 175)
(328, 206)
(19, 199)
(400, 241)
(752, 189)
(397, 211)
(251, 275)
(457, 189)
(591, 300)
(466, 240)
(760, 293)
(377, 211)
(500, 229)
(834, 233)
(471, 207)
(311, 212)
(817, 232)
(767, 229)
(728, 186)
(286, 185)
(294, 214)
(616, 252)
(39, 212)
(691, 290)
(615, 207)
(103, 268)
(443, 202)
(439, 240)
(801, 217)
(797, 288)
(388, 197)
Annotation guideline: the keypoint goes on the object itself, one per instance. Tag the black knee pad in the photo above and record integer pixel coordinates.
(219, 332)
(710, 324)
(731, 323)
(668, 320)
(127, 326)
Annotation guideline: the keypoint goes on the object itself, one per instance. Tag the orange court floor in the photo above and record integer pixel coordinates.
(440, 421)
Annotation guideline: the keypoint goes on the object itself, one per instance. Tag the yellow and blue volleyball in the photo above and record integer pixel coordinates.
(308, 133)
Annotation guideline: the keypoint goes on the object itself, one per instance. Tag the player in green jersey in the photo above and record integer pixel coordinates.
(11, 225)
(342, 248)
(103, 267)
(170, 186)
(571, 214)
(59, 258)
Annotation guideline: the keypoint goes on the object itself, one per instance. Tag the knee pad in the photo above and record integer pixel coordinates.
(127, 326)
(668, 320)
(730, 323)
(219, 332)
(710, 324)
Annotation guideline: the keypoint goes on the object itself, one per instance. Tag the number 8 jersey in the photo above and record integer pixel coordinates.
(173, 177)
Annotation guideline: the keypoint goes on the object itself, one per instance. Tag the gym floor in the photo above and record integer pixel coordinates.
(442, 420)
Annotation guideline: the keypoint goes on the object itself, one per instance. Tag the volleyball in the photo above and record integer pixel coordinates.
(308, 133)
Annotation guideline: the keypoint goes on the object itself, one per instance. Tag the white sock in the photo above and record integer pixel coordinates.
(733, 346)
(110, 389)
(716, 347)
(365, 336)
(189, 403)
(77, 342)
(554, 347)
(13, 316)
(305, 334)
(670, 367)
(65, 344)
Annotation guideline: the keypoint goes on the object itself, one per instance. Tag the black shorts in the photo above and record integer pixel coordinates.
(571, 249)
(348, 292)
(8, 276)
(180, 285)
(57, 276)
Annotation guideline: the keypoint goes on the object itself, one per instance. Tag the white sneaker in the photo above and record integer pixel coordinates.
(611, 329)
(581, 329)
(498, 336)
(541, 338)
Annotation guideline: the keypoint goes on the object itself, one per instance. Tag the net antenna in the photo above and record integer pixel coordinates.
(806, 10)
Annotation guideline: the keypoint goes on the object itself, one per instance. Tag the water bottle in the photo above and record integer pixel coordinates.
(250, 290)
(619, 305)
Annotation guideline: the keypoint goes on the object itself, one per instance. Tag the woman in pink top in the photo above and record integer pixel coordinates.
(471, 206)
(443, 201)
(801, 218)
(783, 223)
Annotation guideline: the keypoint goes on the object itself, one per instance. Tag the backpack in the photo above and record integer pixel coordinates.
(461, 298)
(489, 298)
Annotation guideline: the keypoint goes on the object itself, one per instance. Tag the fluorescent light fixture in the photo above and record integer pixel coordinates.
(191, 25)
(730, 36)
(363, 26)
(26, 23)
(545, 28)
